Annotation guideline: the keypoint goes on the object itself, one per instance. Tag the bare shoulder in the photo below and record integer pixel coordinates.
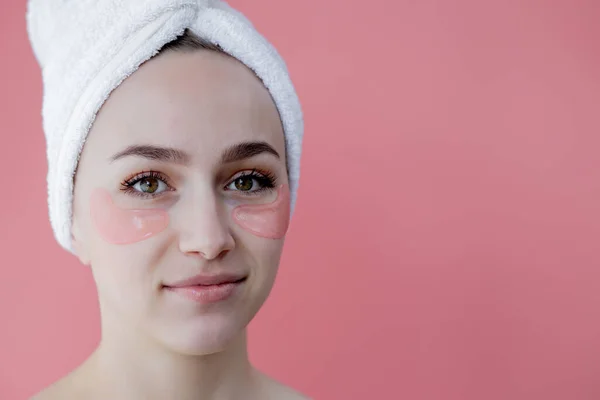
(56, 391)
(277, 391)
(70, 386)
(286, 393)
(290, 394)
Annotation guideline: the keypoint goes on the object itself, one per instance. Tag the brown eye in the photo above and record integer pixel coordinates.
(244, 183)
(146, 184)
(149, 185)
(252, 183)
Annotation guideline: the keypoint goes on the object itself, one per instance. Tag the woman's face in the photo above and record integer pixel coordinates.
(183, 174)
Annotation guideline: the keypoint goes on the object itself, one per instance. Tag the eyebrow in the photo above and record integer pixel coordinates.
(157, 153)
(244, 150)
(237, 152)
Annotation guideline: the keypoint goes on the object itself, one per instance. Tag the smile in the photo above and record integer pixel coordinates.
(207, 289)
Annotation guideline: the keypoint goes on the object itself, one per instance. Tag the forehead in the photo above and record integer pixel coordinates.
(200, 101)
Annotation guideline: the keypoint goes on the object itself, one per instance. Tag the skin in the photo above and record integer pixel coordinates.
(154, 345)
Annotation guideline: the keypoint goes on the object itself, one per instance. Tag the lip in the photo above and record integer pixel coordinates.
(206, 289)
(207, 280)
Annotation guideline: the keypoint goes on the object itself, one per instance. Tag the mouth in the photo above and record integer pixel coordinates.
(207, 289)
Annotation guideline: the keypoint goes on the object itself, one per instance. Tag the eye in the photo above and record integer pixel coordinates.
(150, 185)
(146, 184)
(252, 182)
(244, 184)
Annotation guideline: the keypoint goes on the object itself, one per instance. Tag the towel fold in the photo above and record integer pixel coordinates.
(86, 48)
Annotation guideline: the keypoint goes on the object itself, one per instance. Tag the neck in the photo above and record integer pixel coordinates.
(133, 367)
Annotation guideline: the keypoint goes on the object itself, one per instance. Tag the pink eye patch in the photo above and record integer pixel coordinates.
(119, 226)
(126, 226)
(266, 220)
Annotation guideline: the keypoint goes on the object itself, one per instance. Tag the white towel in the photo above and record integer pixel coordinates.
(86, 48)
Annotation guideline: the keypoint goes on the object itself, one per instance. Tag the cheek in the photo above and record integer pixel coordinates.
(269, 221)
(265, 260)
(119, 226)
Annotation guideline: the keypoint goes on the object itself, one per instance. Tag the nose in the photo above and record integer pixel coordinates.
(204, 228)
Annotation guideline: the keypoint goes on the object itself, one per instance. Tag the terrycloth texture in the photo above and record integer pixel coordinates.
(86, 48)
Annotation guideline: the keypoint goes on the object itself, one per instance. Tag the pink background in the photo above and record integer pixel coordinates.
(445, 240)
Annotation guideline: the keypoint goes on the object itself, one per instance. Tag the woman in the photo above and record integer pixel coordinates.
(181, 199)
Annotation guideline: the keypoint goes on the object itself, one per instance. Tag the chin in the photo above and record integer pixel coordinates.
(203, 335)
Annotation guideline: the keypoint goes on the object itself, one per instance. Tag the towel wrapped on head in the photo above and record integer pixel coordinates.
(86, 48)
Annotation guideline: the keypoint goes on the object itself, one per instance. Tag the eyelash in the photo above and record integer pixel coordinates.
(266, 180)
(128, 184)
